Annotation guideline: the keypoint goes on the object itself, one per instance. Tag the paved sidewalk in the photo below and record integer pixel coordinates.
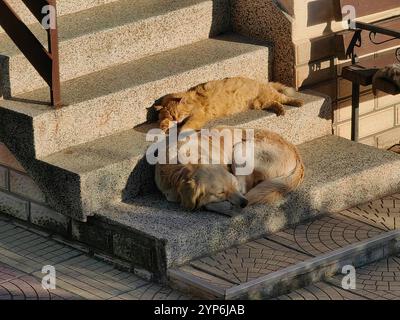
(377, 281)
(24, 252)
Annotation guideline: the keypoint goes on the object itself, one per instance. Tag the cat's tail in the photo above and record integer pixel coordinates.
(272, 191)
(281, 88)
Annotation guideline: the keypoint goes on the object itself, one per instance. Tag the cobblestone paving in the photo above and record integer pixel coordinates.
(325, 234)
(283, 249)
(249, 261)
(384, 213)
(321, 291)
(23, 254)
(377, 281)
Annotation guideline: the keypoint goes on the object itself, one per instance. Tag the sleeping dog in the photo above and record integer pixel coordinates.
(277, 170)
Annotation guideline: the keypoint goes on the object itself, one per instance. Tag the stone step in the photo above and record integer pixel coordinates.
(280, 263)
(358, 174)
(114, 167)
(64, 7)
(116, 99)
(117, 32)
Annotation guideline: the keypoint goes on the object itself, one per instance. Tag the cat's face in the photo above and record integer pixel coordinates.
(174, 111)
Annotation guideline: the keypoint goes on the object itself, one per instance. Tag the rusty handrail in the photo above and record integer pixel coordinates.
(46, 62)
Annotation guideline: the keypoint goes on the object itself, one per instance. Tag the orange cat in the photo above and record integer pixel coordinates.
(217, 99)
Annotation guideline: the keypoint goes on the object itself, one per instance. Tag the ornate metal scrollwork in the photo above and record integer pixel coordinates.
(372, 36)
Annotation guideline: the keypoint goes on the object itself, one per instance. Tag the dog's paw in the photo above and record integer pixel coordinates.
(225, 208)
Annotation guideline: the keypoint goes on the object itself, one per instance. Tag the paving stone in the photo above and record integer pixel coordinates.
(384, 280)
(32, 250)
(243, 263)
(328, 233)
(383, 213)
(16, 285)
(153, 292)
(320, 291)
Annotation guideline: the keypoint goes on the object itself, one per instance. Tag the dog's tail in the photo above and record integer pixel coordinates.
(281, 88)
(272, 191)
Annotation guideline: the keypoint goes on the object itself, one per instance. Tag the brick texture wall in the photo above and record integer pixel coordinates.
(21, 198)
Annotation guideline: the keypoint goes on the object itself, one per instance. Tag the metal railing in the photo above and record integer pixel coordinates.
(45, 61)
(356, 42)
(359, 27)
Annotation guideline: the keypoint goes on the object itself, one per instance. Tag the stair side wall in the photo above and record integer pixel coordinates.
(22, 199)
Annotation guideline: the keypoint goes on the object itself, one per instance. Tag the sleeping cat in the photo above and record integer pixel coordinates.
(390, 73)
(217, 99)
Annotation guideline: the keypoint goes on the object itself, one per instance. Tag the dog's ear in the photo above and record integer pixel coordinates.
(190, 194)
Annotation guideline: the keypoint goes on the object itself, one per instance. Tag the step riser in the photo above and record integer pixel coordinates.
(297, 276)
(64, 7)
(94, 52)
(123, 110)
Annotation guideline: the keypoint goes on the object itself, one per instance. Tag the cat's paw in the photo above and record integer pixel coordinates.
(280, 112)
(297, 103)
(165, 125)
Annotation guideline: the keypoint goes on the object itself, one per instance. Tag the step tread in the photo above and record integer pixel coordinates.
(100, 153)
(329, 186)
(278, 255)
(64, 7)
(103, 17)
(131, 144)
(136, 73)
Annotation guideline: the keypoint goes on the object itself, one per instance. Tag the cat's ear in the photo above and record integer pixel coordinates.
(158, 108)
(171, 98)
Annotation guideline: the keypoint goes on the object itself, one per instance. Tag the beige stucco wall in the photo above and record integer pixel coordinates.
(302, 32)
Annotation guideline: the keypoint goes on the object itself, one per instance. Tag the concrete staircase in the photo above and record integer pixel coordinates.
(117, 58)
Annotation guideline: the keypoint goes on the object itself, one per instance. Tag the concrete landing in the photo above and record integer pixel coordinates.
(358, 174)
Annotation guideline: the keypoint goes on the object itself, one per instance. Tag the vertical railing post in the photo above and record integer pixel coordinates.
(44, 60)
(355, 112)
(52, 34)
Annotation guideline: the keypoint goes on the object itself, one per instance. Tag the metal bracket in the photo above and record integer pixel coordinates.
(356, 42)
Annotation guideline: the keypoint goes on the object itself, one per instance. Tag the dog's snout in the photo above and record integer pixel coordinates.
(244, 202)
(238, 200)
